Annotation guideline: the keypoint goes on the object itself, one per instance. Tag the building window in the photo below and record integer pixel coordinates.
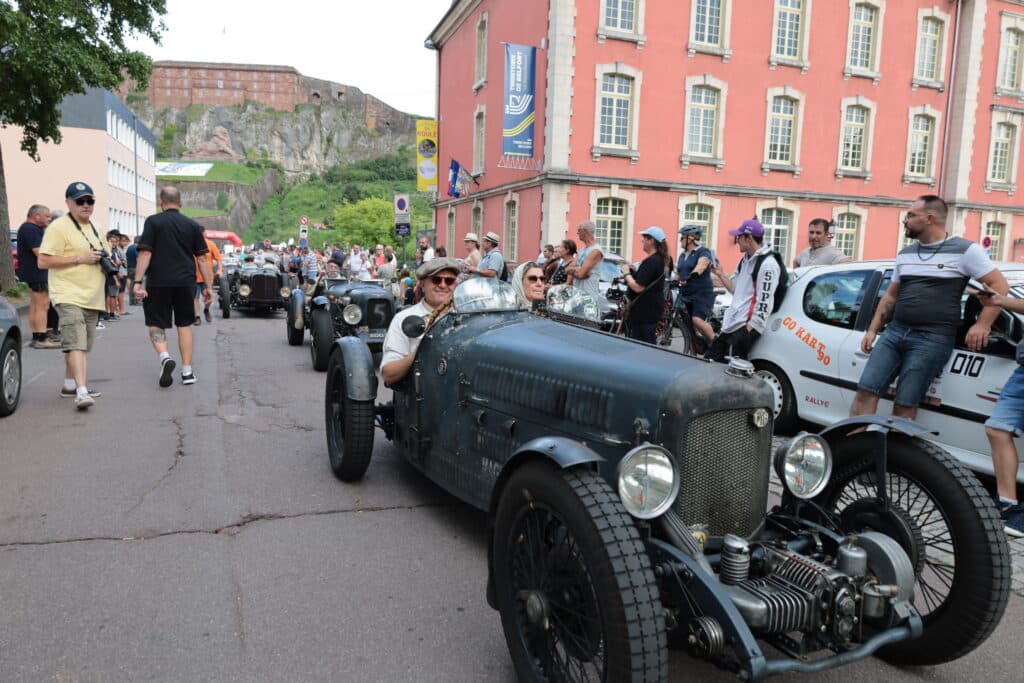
(855, 126)
(993, 233)
(865, 39)
(922, 125)
(478, 219)
(450, 230)
(1009, 78)
(700, 215)
(780, 130)
(700, 138)
(616, 110)
(616, 126)
(479, 139)
(778, 223)
(789, 42)
(480, 70)
(622, 20)
(709, 27)
(1002, 142)
(511, 229)
(929, 62)
(1003, 151)
(611, 221)
(847, 234)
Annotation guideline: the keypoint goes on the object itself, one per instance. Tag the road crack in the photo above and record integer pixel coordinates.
(179, 454)
(233, 528)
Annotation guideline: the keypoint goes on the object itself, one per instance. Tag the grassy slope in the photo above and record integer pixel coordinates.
(226, 171)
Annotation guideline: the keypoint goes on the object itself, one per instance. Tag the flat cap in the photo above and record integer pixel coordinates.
(436, 265)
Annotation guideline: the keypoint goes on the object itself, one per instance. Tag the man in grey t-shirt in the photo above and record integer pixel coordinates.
(923, 305)
(820, 251)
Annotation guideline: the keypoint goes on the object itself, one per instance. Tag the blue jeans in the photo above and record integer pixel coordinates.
(1008, 415)
(645, 332)
(915, 356)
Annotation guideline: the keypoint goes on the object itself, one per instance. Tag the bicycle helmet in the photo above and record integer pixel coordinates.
(694, 231)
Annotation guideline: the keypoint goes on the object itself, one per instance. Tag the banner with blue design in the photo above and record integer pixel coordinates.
(520, 83)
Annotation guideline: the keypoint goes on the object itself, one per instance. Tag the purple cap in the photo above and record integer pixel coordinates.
(751, 226)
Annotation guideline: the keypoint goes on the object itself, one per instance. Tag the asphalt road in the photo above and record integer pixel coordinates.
(197, 534)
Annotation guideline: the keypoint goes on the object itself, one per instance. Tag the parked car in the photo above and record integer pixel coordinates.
(254, 287)
(626, 489)
(810, 355)
(339, 308)
(10, 358)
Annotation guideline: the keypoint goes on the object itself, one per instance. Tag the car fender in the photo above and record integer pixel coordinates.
(357, 361)
(886, 423)
(320, 301)
(298, 306)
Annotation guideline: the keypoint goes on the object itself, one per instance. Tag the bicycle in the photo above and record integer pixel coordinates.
(676, 331)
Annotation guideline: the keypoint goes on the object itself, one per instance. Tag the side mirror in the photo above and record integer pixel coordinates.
(413, 326)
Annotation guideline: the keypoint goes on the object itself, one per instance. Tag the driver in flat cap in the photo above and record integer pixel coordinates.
(437, 277)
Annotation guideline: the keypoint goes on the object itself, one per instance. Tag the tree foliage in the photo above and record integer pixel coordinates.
(50, 49)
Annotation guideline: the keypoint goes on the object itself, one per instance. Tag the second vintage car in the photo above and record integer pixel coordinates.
(255, 287)
(337, 308)
(626, 490)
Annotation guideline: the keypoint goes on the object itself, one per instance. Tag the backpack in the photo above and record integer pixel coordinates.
(503, 275)
(782, 287)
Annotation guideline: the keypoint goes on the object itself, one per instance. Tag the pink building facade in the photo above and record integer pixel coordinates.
(712, 111)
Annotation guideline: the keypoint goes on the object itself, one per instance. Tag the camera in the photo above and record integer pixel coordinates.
(106, 264)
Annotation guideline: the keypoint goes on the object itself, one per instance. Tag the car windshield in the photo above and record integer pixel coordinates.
(608, 269)
(568, 300)
(481, 294)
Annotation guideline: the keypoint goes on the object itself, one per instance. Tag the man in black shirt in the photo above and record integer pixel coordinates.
(168, 246)
(30, 236)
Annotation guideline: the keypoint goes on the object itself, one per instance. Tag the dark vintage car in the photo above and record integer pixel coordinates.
(627, 487)
(339, 308)
(10, 358)
(254, 287)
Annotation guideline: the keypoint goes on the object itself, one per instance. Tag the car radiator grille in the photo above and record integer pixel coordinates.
(724, 461)
(378, 313)
(264, 288)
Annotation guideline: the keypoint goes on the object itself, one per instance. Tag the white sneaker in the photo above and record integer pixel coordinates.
(166, 368)
(84, 401)
(190, 378)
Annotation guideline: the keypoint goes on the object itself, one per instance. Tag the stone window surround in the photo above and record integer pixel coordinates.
(615, 192)
(510, 198)
(794, 167)
(869, 137)
(860, 213)
(1009, 21)
(997, 217)
(801, 62)
(479, 153)
(935, 13)
(477, 210)
(636, 36)
(1015, 119)
(701, 197)
(794, 209)
(450, 228)
(632, 152)
(724, 49)
(718, 158)
(874, 72)
(480, 65)
(936, 117)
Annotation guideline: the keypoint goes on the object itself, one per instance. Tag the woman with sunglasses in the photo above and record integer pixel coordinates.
(647, 286)
(529, 282)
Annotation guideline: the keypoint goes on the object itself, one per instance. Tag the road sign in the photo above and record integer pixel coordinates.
(303, 230)
(304, 220)
(402, 209)
(403, 229)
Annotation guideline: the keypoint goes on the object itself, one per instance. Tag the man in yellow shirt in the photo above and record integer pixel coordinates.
(71, 250)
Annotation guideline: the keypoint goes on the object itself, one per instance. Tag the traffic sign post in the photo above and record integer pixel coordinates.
(403, 220)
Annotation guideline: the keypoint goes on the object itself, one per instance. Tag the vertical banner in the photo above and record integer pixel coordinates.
(520, 82)
(426, 155)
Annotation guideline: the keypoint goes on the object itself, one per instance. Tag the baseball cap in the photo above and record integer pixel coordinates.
(751, 226)
(436, 265)
(655, 233)
(78, 189)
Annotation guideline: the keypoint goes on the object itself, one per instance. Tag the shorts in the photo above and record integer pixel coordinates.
(200, 286)
(700, 306)
(162, 302)
(39, 287)
(1008, 415)
(913, 357)
(111, 286)
(77, 327)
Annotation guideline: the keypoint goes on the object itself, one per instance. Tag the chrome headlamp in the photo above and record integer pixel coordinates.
(648, 481)
(286, 292)
(244, 290)
(351, 314)
(804, 465)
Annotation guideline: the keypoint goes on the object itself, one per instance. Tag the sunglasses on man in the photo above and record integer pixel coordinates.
(446, 279)
(82, 201)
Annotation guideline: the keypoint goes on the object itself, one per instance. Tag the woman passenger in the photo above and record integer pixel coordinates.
(565, 253)
(529, 283)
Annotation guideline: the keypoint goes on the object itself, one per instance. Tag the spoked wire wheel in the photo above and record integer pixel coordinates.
(942, 517)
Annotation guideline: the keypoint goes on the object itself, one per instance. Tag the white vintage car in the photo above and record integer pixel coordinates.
(810, 355)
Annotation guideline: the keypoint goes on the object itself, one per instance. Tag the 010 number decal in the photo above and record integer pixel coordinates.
(966, 364)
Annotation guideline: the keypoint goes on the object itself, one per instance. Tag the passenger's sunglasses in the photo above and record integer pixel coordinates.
(82, 201)
(438, 279)
(535, 278)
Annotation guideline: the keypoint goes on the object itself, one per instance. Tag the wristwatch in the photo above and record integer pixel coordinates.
(136, 282)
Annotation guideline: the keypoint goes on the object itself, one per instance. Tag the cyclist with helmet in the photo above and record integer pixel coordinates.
(694, 271)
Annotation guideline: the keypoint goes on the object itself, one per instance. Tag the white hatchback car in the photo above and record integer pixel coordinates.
(810, 355)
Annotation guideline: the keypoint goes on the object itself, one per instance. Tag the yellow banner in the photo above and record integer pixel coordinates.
(426, 155)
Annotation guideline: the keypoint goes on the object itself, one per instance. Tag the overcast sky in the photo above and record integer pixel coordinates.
(376, 46)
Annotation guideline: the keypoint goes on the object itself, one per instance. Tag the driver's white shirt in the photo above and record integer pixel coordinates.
(354, 262)
(396, 345)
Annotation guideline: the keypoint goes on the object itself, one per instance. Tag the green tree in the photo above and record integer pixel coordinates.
(53, 48)
(368, 221)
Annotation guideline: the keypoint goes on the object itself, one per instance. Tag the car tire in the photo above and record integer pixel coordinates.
(225, 302)
(678, 337)
(940, 514)
(295, 336)
(349, 425)
(785, 399)
(10, 376)
(321, 335)
(573, 579)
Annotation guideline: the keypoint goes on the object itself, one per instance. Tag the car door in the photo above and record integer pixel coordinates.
(851, 360)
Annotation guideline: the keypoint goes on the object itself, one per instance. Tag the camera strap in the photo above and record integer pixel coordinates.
(98, 239)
